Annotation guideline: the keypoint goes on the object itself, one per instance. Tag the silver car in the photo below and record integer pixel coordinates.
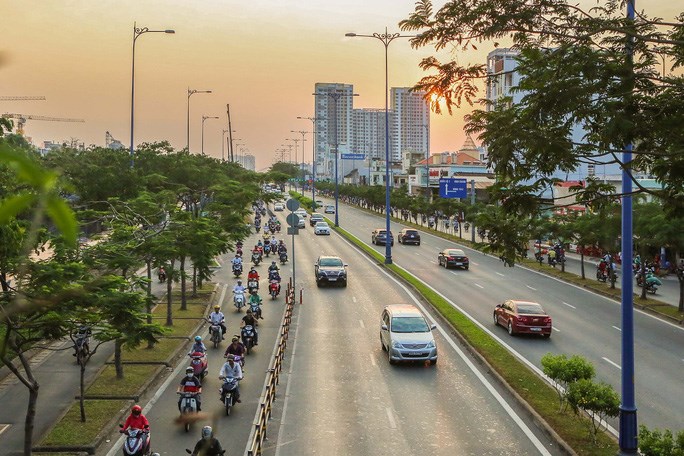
(406, 335)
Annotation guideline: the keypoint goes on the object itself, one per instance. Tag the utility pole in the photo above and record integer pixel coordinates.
(230, 134)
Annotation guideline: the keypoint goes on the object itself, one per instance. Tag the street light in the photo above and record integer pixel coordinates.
(203, 119)
(336, 95)
(191, 92)
(299, 168)
(223, 145)
(136, 33)
(313, 166)
(296, 142)
(385, 39)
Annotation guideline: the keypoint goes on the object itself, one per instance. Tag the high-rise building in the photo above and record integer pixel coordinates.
(502, 76)
(410, 128)
(368, 132)
(247, 161)
(333, 106)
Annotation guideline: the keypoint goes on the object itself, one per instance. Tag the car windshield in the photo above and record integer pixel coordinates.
(322, 225)
(530, 309)
(409, 325)
(455, 252)
(331, 262)
(410, 232)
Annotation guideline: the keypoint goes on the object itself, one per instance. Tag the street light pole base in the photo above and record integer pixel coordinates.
(628, 431)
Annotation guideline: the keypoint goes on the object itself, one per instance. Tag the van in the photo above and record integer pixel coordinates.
(406, 335)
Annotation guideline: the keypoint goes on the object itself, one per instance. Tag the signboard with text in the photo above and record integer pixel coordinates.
(453, 188)
(352, 156)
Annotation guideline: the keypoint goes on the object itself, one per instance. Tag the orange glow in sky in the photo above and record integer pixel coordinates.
(263, 57)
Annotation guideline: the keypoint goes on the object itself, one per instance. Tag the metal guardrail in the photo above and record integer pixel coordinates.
(263, 415)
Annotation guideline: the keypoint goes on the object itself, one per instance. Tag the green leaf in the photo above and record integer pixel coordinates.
(63, 217)
(27, 170)
(13, 205)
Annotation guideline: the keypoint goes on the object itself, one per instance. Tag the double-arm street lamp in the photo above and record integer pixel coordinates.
(137, 31)
(299, 168)
(191, 92)
(385, 39)
(335, 96)
(204, 118)
(313, 163)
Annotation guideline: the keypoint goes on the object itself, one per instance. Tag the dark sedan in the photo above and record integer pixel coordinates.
(379, 237)
(330, 270)
(453, 257)
(408, 236)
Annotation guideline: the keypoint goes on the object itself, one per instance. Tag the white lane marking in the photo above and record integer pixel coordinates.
(617, 328)
(390, 417)
(372, 358)
(556, 329)
(454, 272)
(531, 288)
(362, 325)
(569, 305)
(354, 298)
(476, 264)
(433, 262)
(499, 274)
(611, 362)
(478, 285)
(480, 376)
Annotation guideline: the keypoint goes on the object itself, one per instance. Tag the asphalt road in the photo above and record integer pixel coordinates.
(584, 323)
(341, 396)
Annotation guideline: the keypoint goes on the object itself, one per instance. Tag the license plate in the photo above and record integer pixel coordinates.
(415, 354)
(458, 264)
(332, 279)
(535, 329)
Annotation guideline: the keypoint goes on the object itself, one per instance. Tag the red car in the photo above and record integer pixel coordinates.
(523, 317)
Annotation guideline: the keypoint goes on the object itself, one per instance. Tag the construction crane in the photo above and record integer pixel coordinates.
(22, 118)
(29, 98)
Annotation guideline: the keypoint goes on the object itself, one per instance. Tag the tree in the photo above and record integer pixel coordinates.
(565, 371)
(599, 400)
(657, 443)
(575, 75)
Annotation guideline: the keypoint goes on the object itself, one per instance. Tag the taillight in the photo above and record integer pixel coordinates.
(465, 259)
(547, 320)
(521, 319)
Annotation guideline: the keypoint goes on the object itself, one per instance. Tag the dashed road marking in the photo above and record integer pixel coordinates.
(372, 358)
(556, 329)
(531, 288)
(569, 305)
(390, 417)
(617, 328)
(354, 298)
(478, 285)
(362, 325)
(611, 362)
(476, 264)
(499, 274)
(4, 427)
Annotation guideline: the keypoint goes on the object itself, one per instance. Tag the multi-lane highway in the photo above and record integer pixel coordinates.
(584, 323)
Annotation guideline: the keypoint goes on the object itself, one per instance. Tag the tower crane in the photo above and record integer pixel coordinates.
(22, 118)
(29, 98)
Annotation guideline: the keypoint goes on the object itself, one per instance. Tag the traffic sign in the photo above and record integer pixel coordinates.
(453, 188)
(292, 219)
(292, 204)
(292, 230)
(352, 156)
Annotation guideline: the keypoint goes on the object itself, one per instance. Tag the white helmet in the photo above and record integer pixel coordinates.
(207, 432)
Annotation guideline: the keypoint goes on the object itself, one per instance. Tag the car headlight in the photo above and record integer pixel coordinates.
(396, 344)
(431, 344)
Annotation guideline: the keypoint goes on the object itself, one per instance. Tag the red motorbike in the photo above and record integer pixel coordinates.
(199, 363)
(273, 288)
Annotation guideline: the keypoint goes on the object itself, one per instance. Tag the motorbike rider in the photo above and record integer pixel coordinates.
(552, 257)
(281, 247)
(236, 347)
(254, 298)
(217, 318)
(198, 346)
(251, 320)
(237, 261)
(190, 384)
(253, 274)
(231, 369)
(603, 267)
(238, 288)
(208, 445)
(136, 420)
(161, 274)
(273, 267)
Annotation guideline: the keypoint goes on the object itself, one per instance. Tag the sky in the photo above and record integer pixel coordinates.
(262, 57)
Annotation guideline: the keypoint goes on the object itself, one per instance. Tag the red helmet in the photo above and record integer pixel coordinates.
(136, 410)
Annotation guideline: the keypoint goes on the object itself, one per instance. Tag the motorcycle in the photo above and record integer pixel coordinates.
(267, 249)
(247, 337)
(255, 307)
(652, 282)
(257, 228)
(239, 300)
(227, 391)
(602, 276)
(162, 276)
(283, 257)
(199, 364)
(273, 288)
(252, 284)
(237, 269)
(137, 442)
(216, 334)
(256, 258)
(188, 406)
(277, 228)
(239, 251)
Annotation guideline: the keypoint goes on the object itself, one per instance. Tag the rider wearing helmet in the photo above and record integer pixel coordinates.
(190, 384)
(236, 347)
(253, 274)
(217, 318)
(273, 267)
(238, 288)
(136, 420)
(208, 445)
(198, 346)
(251, 320)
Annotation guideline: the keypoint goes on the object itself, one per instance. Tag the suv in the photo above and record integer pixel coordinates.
(408, 236)
(329, 209)
(330, 269)
(379, 236)
(315, 218)
(406, 335)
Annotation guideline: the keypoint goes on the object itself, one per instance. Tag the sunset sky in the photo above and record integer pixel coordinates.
(261, 56)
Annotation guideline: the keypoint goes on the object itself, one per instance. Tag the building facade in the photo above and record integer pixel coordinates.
(410, 128)
(333, 108)
(247, 161)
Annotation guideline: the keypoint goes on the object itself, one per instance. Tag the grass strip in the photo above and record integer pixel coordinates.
(71, 431)
(134, 377)
(161, 351)
(534, 390)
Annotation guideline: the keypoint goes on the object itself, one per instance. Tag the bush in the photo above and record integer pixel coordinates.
(599, 400)
(656, 443)
(564, 371)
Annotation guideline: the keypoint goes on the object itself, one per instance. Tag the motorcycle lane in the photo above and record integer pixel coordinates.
(586, 324)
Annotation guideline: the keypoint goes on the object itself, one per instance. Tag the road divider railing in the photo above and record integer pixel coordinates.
(268, 396)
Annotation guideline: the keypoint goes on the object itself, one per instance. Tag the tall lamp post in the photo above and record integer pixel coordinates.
(335, 96)
(313, 157)
(204, 118)
(137, 31)
(191, 92)
(299, 167)
(385, 39)
(223, 144)
(296, 143)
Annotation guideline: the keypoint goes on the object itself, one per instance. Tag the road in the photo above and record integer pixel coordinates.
(584, 323)
(342, 397)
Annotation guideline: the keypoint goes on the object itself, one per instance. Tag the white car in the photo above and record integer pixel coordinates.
(301, 213)
(322, 228)
(301, 223)
(278, 207)
(329, 209)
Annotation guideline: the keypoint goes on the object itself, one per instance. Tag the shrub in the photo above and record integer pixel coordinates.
(564, 371)
(656, 443)
(599, 400)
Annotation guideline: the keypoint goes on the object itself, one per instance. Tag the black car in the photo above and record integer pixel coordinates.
(379, 237)
(315, 218)
(453, 257)
(331, 270)
(408, 236)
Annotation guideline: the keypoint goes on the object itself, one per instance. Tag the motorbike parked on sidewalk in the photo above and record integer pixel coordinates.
(136, 442)
(199, 363)
(248, 338)
(239, 300)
